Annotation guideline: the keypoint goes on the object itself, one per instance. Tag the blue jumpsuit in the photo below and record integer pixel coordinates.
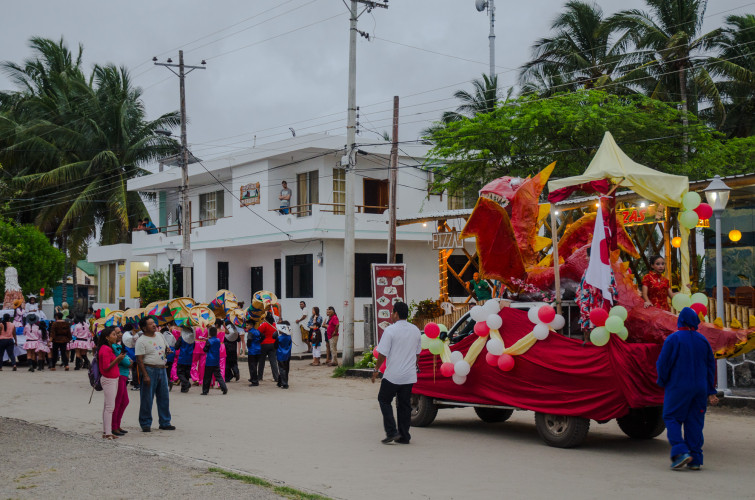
(687, 372)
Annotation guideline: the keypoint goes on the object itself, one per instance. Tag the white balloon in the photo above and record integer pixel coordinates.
(495, 347)
(532, 314)
(540, 331)
(492, 306)
(456, 356)
(458, 379)
(558, 322)
(494, 321)
(478, 313)
(425, 341)
(462, 368)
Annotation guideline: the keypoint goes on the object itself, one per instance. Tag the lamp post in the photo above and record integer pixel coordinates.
(171, 253)
(717, 194)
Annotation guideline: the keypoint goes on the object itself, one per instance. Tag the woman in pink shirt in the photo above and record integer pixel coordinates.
(8, 341)
(108, 364)
(332, 333)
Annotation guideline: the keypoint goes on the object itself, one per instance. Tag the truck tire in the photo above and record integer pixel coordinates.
(642, 423)
(493, 415)
(423, 410)
(561, 431)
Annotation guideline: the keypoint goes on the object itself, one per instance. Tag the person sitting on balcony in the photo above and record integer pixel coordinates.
(149, 226)
(285, 198)
(140, 226)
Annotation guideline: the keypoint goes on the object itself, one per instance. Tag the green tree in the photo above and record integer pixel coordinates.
(39, 264)
(155, 287)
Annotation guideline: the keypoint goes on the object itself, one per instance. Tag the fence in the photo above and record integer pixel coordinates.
(447, 319)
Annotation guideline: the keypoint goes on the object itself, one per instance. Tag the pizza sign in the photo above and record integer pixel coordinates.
(388, 287)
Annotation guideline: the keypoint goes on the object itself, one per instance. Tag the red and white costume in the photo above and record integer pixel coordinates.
(34, 340)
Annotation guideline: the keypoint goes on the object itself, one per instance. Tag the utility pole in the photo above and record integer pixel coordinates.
(187, 262)
(392, 187)
(348, 243)
(491, 36)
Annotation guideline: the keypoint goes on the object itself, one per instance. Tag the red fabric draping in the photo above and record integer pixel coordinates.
(558, 375)
(602, 186)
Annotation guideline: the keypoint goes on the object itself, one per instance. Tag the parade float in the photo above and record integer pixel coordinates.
(516, 357)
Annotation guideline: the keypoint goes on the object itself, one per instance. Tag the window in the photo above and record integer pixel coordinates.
(223, 276)
(363, 271)
(106, 285)
(210, 207)
(277, 278)
(257, 279)
(375, 196)
(299, 276)
(339, 190)
(463, 197)
(307, 192)
(178, 279)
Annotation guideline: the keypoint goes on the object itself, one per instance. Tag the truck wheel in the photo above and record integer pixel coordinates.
(493, 415)
(561, 431)
(423, 410)
(642, 423)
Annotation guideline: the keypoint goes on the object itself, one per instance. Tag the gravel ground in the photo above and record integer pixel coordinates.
(42, 462)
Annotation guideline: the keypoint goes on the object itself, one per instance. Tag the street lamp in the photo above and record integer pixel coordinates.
(717, 194)
(171, 253)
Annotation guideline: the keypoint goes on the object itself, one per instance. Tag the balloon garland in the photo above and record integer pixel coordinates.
(606, 323)
(694, 210)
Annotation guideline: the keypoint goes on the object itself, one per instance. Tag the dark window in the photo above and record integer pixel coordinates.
(363, 271)
(457, 263)
(222, 275)
(178, 280)
(257, 279)
(278, 278)
(298, 276)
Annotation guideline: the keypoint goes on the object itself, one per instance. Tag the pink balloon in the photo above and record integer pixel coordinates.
(447, 369)
(382, 368)
(432, 330)
(598, 317)
(704, 211)
(546, 314)
(491, 359)
(482, 329)
(375, 353)
(506, 362)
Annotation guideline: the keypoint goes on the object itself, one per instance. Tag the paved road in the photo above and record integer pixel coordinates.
(323, 434)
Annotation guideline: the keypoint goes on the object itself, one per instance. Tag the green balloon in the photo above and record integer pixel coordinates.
(614, 324)
(425, 340)
(600, 336)
(691, 200)
(688, 219)
(436, 346)
(619, 311)
(623, 334)
(680, 301)
(699, 298)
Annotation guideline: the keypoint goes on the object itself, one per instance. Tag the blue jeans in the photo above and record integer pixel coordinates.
(158, 387)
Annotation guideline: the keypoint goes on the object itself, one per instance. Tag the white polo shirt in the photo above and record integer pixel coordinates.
(400, 344)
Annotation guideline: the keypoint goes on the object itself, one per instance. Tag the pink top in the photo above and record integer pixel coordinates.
(105, 356)
(6, 330)
(32, 333)
(332, 324)
(81, 332)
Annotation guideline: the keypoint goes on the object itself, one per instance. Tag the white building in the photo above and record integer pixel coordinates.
(243, 243)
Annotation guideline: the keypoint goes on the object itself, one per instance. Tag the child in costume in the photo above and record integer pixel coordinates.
(315, 335)
(185, 356)
(687, 372)
(655, 287)
(36, 347)
(231, 355)
(283, 353)
(212, 363)
(81, 343)
(253, 351)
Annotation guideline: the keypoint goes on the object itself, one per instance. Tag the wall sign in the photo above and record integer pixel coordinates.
(250, 194)
(388, 287)
(446, 241)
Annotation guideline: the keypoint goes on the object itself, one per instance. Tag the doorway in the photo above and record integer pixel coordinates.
(375, 196)
(256, 280)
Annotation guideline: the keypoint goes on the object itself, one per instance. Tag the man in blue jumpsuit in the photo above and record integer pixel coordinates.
(687, 372)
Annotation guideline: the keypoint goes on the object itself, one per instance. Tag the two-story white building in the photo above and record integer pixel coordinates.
(241, 241)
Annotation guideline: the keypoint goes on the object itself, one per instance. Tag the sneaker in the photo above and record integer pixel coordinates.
(203, 394)
(225, 391)
(679, 461)
(168, 427)
(694, 466)
(402, 441)
(133, 388)
(390, 439)
(285, 386)
(146, 429)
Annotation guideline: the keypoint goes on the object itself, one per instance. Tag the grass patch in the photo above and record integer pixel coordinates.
(284, 491)
(340, 371)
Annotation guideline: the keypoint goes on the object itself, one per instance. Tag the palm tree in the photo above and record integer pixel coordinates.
(580, 53)
(483, 99)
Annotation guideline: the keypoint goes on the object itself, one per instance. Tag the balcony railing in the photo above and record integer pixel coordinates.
(175, 229)
(335, 208)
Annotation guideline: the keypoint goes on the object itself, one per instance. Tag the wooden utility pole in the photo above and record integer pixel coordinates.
(393, 179)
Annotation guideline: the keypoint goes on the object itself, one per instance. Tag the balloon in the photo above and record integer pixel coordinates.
(375, 353)
(456, 356)
(688, 219)
(623, 334)
(699, 308)
(506, 362)
(458, 379)
(495, 347)
(492, 306)
(619, 311)
(699, 298)
(546, 314)
(425, 341)
(478, 313)
(494, 321)
(532, 314)
(491, 359)
(447, 369)
(704, 211)
(600, 336)
(436, 346)
(614, 324)
(598, 317)
(432, 331)
(558, 322)
(462, 368)
(540, 331)
(691, 200)
(680, 301)
(481, 329)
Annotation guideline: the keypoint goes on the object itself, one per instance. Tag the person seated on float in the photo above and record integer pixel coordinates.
(656, 289)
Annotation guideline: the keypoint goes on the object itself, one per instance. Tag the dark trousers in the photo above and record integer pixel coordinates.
(231, 366)
(283, 372)
(253, 360)
(184, 375)
(403, 394)
(209, 371)
(135, 375)
(7, 346)
(168, 369)
(59, 348)
(269, 353)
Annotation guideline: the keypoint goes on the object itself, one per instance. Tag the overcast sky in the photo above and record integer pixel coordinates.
(274, 64)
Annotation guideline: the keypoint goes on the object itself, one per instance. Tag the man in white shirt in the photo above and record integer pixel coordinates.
(399, 346)
(151, 352)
